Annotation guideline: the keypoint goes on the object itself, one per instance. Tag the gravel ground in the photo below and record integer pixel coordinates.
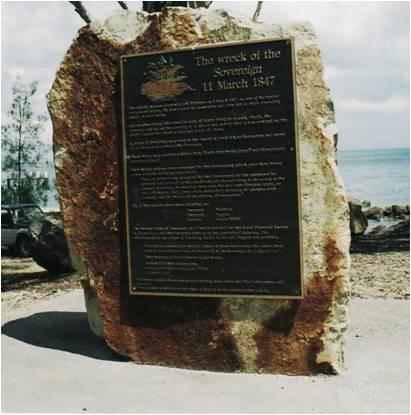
(379, 275)
(24, 282)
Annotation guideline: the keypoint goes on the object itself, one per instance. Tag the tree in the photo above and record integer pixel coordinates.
(22, 150)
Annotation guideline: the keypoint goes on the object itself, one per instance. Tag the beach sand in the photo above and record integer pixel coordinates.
(374, 275)
(381, 275)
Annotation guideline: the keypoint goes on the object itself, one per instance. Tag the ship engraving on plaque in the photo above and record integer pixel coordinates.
(211, 171)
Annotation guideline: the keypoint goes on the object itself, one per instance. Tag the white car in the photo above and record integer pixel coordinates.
(15, 234)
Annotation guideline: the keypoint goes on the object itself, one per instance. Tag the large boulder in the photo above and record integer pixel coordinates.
(225, 334)
(384, 239)
(358, 221)
(399, 211)
(387, 211)
(48, 243)
(373, 212)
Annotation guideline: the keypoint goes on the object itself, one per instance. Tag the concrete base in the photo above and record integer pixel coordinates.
(51, 362)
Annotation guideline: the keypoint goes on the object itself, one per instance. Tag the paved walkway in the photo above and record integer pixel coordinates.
(52, 363)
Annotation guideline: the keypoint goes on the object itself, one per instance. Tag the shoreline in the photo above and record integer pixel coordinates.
(378, 229)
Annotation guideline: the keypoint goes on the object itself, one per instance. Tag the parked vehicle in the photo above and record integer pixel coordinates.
(15, 233)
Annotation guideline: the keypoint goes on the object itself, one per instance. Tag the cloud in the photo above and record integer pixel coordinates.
(335, 73)
(389, 105)
(365, 48)
(363, 130)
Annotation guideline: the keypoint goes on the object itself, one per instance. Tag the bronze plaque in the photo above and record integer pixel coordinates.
(211, 186)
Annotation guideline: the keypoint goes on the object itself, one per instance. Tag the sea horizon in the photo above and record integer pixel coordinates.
(380, 175)
(372, 149)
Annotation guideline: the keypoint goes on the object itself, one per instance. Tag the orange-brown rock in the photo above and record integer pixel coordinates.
(229, 334)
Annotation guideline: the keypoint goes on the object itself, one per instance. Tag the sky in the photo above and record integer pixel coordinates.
(365, 48)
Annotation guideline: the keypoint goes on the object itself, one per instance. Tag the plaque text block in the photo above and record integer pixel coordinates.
(210, 155)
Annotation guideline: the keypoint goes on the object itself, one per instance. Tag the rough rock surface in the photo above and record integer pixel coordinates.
(48, 243)
(373, 213)
(383, 239)
(358, 221)
(396, 211)
(272, 336)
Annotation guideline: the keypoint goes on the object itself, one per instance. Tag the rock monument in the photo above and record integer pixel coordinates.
(219, 334)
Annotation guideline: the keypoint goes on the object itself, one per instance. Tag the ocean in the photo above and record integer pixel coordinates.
(381, 176)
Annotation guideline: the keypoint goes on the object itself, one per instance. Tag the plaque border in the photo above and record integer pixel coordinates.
(298, 161)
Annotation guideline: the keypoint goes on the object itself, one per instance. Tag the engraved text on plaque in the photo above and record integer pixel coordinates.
(211, 171)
